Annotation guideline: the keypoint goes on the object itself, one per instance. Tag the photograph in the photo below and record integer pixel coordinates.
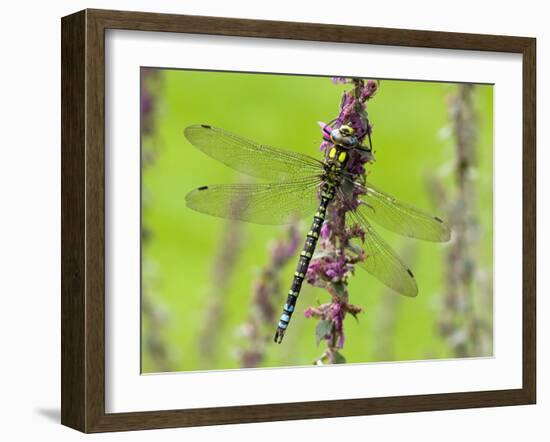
(294, 220)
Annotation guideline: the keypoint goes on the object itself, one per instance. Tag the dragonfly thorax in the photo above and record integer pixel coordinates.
(337, 156)
(333, 168)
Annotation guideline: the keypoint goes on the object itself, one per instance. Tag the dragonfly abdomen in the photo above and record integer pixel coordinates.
(303, 264)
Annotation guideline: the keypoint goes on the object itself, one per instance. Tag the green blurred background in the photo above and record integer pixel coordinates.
(414, 148)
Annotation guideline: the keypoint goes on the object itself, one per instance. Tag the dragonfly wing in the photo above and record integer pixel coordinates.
(381, 261)
(272, 204)
(248, 157)
(402, 218)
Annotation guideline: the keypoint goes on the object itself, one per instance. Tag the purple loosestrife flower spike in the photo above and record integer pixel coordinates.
(266, 292)
(334, 260)
(154, 313)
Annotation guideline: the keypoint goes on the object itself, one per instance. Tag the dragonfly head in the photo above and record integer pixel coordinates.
(344, 136)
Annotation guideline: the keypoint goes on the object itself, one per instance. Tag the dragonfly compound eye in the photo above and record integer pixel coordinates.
(346, 130)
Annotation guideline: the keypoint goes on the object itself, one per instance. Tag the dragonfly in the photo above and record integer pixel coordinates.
(298, 185)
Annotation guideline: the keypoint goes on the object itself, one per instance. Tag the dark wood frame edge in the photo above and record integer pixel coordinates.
(83, 215)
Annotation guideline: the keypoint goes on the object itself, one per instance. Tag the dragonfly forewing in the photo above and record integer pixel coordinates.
(251, 158)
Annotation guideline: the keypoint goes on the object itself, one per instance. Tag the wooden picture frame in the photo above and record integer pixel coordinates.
(83, 219)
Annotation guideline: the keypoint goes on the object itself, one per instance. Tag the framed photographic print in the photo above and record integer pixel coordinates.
(267, 220)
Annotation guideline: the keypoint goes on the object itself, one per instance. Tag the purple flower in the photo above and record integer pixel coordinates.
(313, 272)
(356, 231)
(359, 124)
(146, 103)
(282, 251)
(346, 108)
(368, 90)
(357, 162)
(325, 230)
(293, 245)
(336, 270)
(339, 80)
(328, 269)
